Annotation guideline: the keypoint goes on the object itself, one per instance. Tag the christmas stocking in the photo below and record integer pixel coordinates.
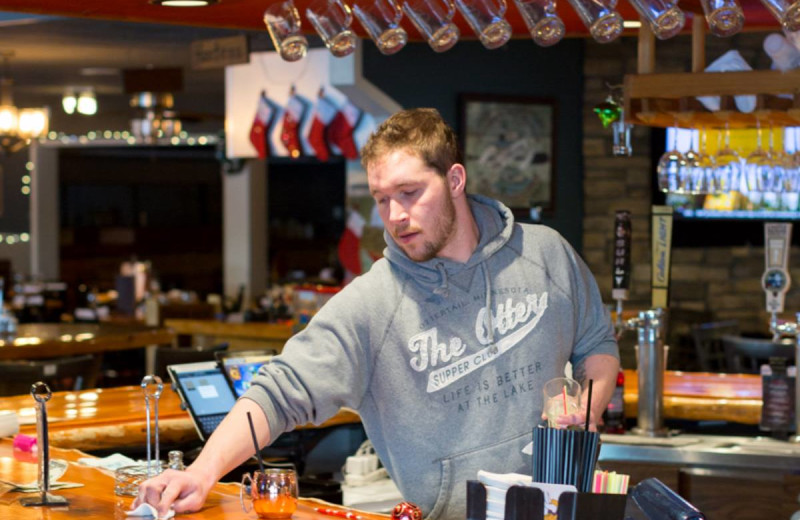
(340, 131)
(324, 112)
(259, 130)
(349, 243)
(290, 130)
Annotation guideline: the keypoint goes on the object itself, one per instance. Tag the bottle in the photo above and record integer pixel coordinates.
(175, 458)
(614, 416)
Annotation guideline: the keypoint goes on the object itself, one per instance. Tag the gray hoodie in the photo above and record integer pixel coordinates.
(443, 360)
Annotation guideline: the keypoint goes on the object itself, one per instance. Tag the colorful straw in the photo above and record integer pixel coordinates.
(588, 405)
(255, 443)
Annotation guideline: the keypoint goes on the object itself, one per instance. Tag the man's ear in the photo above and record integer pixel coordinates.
(457, 179)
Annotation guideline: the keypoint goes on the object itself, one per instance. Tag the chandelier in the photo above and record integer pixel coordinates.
(17, 125)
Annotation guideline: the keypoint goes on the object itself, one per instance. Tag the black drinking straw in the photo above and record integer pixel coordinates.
(255, 442)
(588, 405)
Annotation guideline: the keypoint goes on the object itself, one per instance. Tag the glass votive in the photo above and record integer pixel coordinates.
(128, 478)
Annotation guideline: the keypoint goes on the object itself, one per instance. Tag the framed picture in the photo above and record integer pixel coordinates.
(508, 145)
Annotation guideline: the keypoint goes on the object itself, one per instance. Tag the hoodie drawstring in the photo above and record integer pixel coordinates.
(444, 288)
(488, 283)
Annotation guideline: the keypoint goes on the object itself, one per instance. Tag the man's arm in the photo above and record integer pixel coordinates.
(229, 445)
(602, 369)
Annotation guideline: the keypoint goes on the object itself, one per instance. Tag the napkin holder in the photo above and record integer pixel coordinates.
(659, 502)
(527, 503)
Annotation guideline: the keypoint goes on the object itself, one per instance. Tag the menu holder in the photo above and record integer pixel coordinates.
(778, 390)
(527, 503)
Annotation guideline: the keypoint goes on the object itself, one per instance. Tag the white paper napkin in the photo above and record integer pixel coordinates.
(146, 510)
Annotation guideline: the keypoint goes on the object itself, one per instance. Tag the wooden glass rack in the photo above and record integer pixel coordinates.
(665, 100)
(671, 99)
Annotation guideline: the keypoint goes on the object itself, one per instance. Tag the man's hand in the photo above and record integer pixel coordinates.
(183, 491)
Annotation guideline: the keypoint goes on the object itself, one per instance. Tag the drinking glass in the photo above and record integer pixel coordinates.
(562, 396)
(540, 16)
(779, 161)
(724, 17)
(331, 19)
(434, 21)
(664, 16)
(486, 19)
(758, 167)
(604, 23)
(786, 12)
(728, 166)
(701, 167)
(670, 166)
(792, 180)
(283, 23)
(381, 20)
(273, 493)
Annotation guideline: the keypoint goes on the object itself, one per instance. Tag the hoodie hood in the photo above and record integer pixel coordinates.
(495, 225)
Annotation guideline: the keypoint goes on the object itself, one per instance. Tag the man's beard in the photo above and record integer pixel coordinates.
(443, 231)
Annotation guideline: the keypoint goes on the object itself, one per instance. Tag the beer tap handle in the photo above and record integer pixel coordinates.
(662, 249)
(776, 279)
(621, 276)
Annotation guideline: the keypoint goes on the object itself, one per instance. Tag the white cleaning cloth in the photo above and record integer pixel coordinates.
(148, 511)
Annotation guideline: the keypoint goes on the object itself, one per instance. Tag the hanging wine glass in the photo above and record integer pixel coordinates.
(703, 168)
(728, 165)
(758, 167)
(670, 166)
(779, 160)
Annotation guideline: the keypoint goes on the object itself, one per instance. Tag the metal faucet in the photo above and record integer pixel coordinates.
(650, 367)
(790, 329)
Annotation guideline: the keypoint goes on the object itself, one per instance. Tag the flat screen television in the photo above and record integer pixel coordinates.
(733, 219)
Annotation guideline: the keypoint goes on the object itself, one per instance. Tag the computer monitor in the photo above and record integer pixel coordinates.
(239, 367)
(205, 392)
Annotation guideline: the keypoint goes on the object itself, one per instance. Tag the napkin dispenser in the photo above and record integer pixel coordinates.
(658, 502)
(527, 503)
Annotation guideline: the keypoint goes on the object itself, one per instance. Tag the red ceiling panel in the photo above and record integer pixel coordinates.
(247, 14)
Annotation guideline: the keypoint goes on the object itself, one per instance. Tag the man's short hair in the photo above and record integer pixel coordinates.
(418, 131)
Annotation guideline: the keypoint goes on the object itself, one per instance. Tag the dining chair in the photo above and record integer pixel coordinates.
(708, 346)
(746, 355)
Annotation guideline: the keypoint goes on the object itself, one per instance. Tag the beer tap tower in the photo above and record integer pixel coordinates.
(776, 282)
(650, 324)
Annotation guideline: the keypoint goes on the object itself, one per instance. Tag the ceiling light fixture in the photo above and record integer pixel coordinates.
(17, 126)
(184, 3)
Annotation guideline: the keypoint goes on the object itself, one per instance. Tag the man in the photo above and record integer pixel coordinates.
(442, 347)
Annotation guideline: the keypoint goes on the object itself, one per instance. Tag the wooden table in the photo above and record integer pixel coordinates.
(113, 418)
(240, 336)
(50, 340)
(703, 396)
(96, 499)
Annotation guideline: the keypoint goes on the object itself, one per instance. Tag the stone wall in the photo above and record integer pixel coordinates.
(723, 282)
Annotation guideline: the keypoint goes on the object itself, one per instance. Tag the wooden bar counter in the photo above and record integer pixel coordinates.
(702, 396)
(113, 418)
(240, 336)
(96, 498)
(50, 340)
